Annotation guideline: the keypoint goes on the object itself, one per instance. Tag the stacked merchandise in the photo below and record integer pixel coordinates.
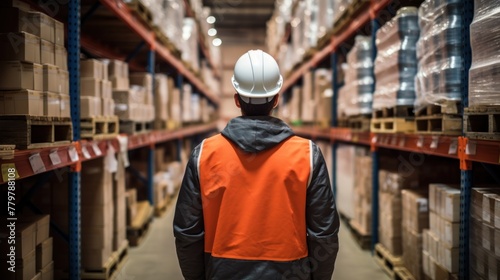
(298, 32)
(144, 82)
(276, 26)
(175, 107)
(162, 88)
(390, 208)
(289, 108)
(307, 103)
(33, 64)
(396, 62)
(32, 257)
(190, 43)
(485, 34)
(439, 52)
(362, 220)
(96, 99)
(325, 17)
(341, 7)
(485, 233)
(119, 205)
(345, 165)
(415, 220)
(131, 205)
(355, 97)
(441, 241)
(323, 96)
(191, 105)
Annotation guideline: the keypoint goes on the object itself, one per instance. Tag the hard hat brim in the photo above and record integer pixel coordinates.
(257, 95)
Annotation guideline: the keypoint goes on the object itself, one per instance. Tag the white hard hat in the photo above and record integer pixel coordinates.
(257, 76)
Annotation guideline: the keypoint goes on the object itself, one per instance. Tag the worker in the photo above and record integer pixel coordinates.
(256, 200)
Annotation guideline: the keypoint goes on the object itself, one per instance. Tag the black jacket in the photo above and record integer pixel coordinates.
(255, 134)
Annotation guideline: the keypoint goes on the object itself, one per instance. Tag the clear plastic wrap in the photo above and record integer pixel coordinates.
(484, 75)
(396, 62)
(326, 15)
(190, 38)
(358, 88)
(439, 52)
(298, 30)
(340, 7)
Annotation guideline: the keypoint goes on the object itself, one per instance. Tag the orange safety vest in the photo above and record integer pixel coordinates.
(254, 204)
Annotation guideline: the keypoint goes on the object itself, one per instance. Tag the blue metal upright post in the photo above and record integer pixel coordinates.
(467, 12)
(335, 97)
(74, 175)
(375, 153)
(151, 151)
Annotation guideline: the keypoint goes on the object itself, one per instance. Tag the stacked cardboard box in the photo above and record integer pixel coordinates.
(143, 82)
(323, 95)
(390, 208)
(33, 70)
(95, 90)
(175, 107)
(97, 214)
(441, 241)
(415, 220)
(119, 202)
(134, 103)
(162, 89)
(131, 204)
(485, 233)
(362, 219)
(307, 99)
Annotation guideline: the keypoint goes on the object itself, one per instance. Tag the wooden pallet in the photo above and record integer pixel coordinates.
(140, 225)
(439, 124)
(30, 132)
(133, 127)
(7, 151)
(160, 124)
(393, 125)
(141, 11)
(446, 107)
(482, 122)
(401, 273)
(99, 127)
(397, 111)
(359, 123)
(363, 239)
(111, 269)
(386, 260)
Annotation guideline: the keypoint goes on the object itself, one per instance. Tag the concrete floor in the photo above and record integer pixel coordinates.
(155, 258)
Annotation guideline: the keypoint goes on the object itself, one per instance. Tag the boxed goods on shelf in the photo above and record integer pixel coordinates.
(391, 185)
(485, 232)
(415, 220)
(345, 184)
(22, 102)
(44, 252)
(47, 52)
(51, 104)
(20, 46)
(362, 192)
(439, 52)
(357, 93)
(441, 241)
(307, 98)
(190, 38)
(484, 36)
(396, 62)
(323, 96)
(50, 78)
(161, 97)
(16, 75)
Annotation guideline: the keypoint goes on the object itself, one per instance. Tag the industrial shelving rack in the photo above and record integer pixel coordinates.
(461, 148)
(103, 40)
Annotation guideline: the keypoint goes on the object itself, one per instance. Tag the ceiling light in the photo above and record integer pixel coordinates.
(216, 42)
(211, 19)
(212, 32)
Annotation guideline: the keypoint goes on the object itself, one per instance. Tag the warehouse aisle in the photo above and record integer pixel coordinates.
(155, 258)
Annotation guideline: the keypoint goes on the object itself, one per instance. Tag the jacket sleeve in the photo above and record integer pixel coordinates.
(188, 223)
(322, 220)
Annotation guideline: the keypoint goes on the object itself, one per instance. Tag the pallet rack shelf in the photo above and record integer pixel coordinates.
(455, 147)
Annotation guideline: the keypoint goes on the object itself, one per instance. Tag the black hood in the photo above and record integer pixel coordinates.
(256, 133)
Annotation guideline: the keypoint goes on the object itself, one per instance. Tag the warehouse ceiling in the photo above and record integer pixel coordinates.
(241, 21)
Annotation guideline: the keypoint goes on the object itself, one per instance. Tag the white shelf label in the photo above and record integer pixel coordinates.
(54, 157)
(97, 150)
(36, 163)
(435, 142)
(402, 142)
(420, 142)
(470, 149)
(374, 139)
(85, 152)
(73, 154)
(123, 140)
(111, 164)
(453, 147)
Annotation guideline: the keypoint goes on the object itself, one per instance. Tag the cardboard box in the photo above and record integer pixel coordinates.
(106, 89)
(97, 237)
(23, 102)
(489, 207)
(58, 33)
(488, 237)
(497, 213)
(90, 87)
(44, 253)
(48, 272)
(415, 210)
(91, 68)
(108, 107)
(451, 211)
(50, 78)
(25, 240)
(38, 276)
(95, 259)
(26, 266)
(16, 4)
(451, 234)
(63, 81)
(42, 226)
(64, 101)
(120, 83)
(90, 106)
(17, 20)
(47, 52)
(451, 259)
(61, 57)
(97, 215)
(20, 46)
(116, 68)
(16, 75)
(38, 77)
(45, 24)
(51, 105)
